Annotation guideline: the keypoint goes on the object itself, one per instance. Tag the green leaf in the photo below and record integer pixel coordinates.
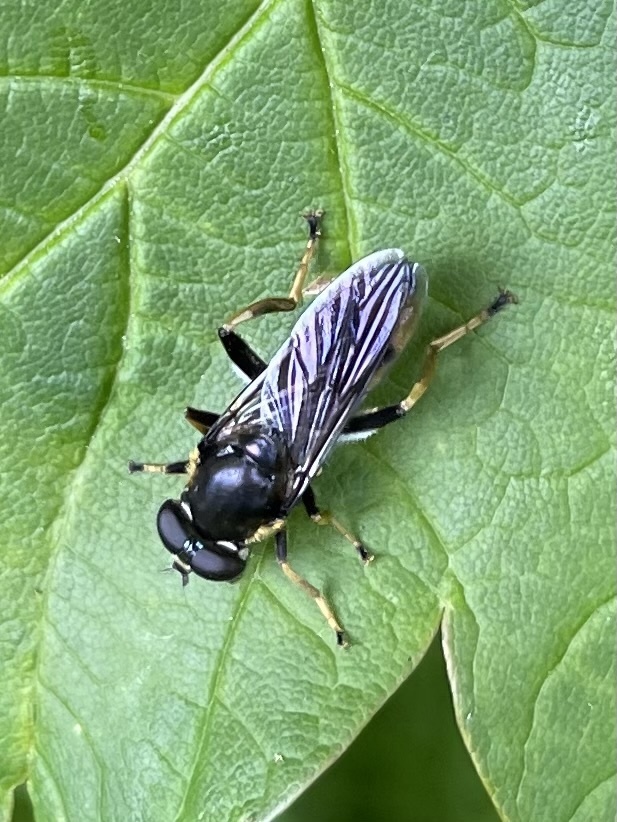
(153, 161)
(408, 763)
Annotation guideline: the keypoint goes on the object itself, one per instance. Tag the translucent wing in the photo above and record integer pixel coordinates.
(320, 375)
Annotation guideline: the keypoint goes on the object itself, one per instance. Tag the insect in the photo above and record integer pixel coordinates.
(256, 460)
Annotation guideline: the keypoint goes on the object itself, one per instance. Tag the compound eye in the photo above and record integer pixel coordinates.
(217, 564)
(173, 526)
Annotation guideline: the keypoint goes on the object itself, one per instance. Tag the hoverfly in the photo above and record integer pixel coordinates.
(256, 460)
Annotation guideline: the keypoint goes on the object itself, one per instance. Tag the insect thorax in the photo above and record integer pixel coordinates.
(239, 483)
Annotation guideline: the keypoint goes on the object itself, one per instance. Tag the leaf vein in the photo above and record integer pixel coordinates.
(554, 666)
(213, 696)
(438, 145)
(600, 783)
(119, 86)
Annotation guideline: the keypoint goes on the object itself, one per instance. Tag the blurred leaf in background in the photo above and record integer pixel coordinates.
(409, 763)
(153, 162)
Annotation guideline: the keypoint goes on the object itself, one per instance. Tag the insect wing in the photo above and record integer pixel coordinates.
(321, 374)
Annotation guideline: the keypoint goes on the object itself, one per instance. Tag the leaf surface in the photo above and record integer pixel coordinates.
(153, 167)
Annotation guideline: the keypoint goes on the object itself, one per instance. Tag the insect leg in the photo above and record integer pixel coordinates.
(322, 604)
(159, 467)
(372, 420)
(326, 518)
(243, 356)
(201, 420)
(240, 353)
(379, 417)
(272, 304)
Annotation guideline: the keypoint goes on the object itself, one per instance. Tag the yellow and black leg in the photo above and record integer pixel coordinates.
(202, 421)
(273, 304)
(378, 417)
(242, 356)
(314, 593)
(159, 467)
(199, 419)
(239, 351)
(326, 518)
